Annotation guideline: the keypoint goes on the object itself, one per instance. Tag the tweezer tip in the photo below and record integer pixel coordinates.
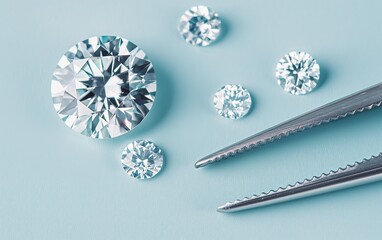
(201, 163)
(222, 209)
(228, 207)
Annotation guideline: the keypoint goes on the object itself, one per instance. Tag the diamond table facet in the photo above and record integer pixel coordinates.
(298, 73)
(103, 86)
(199, 25)
(232, 101)
(142, 159)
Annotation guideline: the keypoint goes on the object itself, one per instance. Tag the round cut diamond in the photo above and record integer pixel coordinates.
(298, 73)
(232, 101)
(142, 159)
(199, 25)
(103, 86)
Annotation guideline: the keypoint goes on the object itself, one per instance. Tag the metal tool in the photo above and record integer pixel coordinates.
(369, 170)
(360, 172)
(357, 102)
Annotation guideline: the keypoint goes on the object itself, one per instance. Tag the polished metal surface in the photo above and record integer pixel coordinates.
(368, 170)
(354, 103)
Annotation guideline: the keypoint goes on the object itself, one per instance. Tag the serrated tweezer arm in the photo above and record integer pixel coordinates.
(357, 102)
(368, 170)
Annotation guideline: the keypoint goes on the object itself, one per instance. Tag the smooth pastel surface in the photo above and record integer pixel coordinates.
(58, 184)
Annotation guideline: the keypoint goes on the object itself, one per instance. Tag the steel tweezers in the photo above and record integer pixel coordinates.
(365, 171)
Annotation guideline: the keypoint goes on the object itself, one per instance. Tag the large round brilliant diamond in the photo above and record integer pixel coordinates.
(103, 86)
(298, 73)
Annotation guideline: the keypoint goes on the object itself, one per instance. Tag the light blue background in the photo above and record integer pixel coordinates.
(57, 184)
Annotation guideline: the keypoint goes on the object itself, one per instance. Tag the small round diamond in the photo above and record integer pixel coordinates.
(199, 25)
(298, 73)
(232, 101)
(103, 86)
(142, 159)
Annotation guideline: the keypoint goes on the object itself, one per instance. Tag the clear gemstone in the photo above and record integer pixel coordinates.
(142, 159)
(103, 86)
(298, 73)
(232, 101)
(199, 25)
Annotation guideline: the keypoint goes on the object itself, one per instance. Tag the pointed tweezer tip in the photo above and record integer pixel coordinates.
(201, 163)
(226, 208)
(222, 209)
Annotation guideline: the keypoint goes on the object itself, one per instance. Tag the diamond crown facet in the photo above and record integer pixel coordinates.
(199, 25)
(142, 159)
(232, 101)
(297, 73)
(103, 86)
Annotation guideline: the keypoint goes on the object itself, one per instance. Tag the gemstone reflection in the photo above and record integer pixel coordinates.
(298, 73)
(142, 159)
(199, 26)
(232, 101)
(103, 86)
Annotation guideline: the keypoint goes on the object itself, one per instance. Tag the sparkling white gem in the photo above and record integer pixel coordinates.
(199, 25)
(103, 86)
(298, 73)
(232, 101)
(142, 159)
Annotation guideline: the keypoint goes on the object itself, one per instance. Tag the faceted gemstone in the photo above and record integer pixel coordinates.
(142, 159)
(298, 73)
(199, 25)
(232, 101)
(103, 86)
